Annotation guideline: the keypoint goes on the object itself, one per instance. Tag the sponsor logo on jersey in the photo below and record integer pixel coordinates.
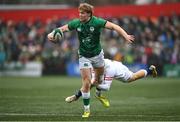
(79, 29)
(91, 29)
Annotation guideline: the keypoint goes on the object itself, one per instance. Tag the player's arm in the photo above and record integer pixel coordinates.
(105, 85)
(63, 29)
(120, 31)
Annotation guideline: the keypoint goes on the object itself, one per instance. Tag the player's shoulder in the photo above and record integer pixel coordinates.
(108, 61)
(73, 24)
(99, 21)
(95, 18)
(76, 20)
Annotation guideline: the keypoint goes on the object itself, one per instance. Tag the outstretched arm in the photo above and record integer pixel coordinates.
(120, 31)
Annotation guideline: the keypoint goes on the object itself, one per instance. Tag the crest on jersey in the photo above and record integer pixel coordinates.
(85, 64)
(91, 29)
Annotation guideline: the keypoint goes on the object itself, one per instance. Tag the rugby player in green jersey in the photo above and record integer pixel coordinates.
(90, 51)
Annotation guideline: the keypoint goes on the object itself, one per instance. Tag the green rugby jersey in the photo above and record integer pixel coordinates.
(89, 35)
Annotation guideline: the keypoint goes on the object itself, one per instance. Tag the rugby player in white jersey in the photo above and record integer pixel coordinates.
(114, 70)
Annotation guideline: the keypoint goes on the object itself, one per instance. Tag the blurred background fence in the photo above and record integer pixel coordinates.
(25, 50)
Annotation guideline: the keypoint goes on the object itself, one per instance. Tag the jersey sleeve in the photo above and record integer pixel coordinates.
(73, 24)
(101, 22)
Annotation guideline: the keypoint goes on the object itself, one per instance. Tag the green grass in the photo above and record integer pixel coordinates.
(39, 99)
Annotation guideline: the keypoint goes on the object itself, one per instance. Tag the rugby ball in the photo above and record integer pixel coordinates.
(57, 35)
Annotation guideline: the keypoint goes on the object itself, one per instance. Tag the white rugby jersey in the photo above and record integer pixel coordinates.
(114, 69)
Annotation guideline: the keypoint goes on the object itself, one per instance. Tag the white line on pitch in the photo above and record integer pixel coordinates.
(51, 114)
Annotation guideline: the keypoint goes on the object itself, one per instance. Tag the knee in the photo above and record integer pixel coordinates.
(86, 84)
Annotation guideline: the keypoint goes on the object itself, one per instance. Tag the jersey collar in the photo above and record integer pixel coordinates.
(88, 20)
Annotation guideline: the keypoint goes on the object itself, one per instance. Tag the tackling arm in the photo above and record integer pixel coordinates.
(104, 86)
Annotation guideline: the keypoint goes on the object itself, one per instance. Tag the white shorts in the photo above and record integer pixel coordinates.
(96, 61)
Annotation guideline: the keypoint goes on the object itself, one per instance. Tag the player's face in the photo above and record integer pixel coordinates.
(83, 16)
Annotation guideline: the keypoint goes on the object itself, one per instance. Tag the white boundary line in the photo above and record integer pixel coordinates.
(73, 115)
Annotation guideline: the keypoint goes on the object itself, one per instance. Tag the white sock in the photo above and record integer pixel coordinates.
(87, 108)
(85, 95)
(145, 73)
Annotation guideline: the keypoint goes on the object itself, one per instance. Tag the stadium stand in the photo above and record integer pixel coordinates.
(157, 42)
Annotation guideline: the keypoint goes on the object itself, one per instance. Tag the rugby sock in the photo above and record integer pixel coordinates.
(145, 73)
(86, 101)
(149, 72)
(78, 94)
(92, 86)
(98, 92)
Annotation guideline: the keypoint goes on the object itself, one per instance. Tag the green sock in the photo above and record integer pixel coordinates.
(86, 101)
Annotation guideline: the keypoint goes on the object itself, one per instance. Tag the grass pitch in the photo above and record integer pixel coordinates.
(42, 99)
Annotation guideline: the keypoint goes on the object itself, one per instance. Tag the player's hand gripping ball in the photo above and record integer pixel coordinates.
(57, 35)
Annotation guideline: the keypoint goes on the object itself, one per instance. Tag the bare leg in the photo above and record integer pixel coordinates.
(86, 82)
(86, 79)
(99, 74)
(138, 75)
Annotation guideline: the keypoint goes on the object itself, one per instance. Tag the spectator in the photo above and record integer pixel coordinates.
(155, 39)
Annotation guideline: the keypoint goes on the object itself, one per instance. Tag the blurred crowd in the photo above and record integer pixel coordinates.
(76, 2)
(157, 41)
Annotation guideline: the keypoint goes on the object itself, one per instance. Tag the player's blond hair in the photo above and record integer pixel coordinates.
(86, 8)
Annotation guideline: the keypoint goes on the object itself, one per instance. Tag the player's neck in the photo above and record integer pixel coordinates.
(87, 20)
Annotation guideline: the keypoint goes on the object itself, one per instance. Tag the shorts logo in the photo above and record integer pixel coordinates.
(85, 64)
